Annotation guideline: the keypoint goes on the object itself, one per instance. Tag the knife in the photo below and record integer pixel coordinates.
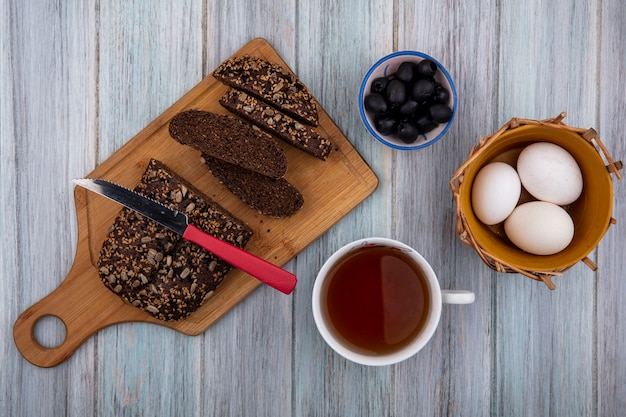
(178, 222)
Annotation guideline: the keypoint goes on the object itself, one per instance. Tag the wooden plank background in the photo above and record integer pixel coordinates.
(79, 79)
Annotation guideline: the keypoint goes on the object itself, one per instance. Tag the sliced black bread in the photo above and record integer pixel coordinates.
(277, 123)
(155, 269)
(270, 82)
(271, 197)
(231, 140)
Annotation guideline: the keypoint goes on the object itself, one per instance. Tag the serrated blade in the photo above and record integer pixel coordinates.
(160, 213)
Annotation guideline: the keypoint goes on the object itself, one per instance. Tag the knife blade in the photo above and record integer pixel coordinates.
(178, 222)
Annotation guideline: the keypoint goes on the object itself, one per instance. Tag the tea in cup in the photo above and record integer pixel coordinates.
(377, 301)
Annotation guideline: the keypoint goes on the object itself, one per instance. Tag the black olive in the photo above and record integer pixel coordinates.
(422, 90)
(440, 113)
(424, 124)
(406, 72)
(396, 92)
(441, 94)
(375, 103)
(409, 107)
(385, 125)
(407, 131)
(379, 85)
(426, 68)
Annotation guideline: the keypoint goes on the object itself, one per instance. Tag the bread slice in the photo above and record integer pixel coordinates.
(155, 269)
(229, 139)
(271, 197)
(270, 82)
(277, 123)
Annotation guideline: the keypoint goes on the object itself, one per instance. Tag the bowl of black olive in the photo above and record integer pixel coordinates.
(407, 100)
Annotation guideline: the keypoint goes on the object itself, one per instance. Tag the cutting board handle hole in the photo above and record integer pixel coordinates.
(49, 331)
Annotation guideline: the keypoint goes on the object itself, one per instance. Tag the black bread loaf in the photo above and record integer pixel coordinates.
(277, 123)
(155, 269)
(271, 197)
(271, 82)
(231, 140)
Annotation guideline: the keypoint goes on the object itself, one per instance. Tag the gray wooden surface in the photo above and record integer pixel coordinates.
(79, 79)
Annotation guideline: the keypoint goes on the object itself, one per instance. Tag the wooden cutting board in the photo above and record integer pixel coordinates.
(330, 188)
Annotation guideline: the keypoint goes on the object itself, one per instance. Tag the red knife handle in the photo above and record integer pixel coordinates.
(261, 269)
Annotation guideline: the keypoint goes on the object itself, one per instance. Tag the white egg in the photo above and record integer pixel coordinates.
(495, 192)
(550, 173)
(540, 228)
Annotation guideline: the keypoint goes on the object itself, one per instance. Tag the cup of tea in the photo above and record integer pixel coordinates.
(377, 301)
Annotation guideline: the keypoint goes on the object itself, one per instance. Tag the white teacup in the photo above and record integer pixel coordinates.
(409, 312)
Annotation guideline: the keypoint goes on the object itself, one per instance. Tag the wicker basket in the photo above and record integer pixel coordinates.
(592, 212)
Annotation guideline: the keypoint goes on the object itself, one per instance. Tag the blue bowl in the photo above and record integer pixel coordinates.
(389, 65)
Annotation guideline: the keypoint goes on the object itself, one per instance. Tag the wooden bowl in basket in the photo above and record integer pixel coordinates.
(591, 212)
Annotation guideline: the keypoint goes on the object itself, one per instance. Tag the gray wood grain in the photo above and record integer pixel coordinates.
(609, 346)
(150, 54)
(77, 81)
(544, 339)
(48, 122)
